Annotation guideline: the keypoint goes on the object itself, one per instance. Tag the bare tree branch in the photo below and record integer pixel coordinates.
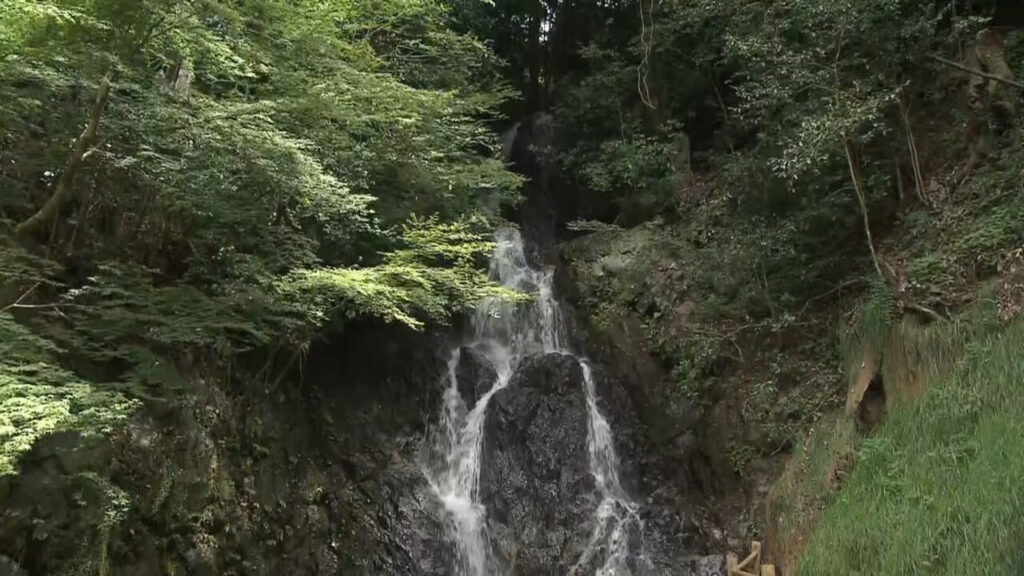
(977, 72)
(74, 163)
(858, 189)
(17, 302)
(927, 312)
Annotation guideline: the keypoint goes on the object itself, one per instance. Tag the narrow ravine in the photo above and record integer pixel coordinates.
(504, 333)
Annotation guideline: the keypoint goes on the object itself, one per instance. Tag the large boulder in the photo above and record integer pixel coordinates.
(475, 375)
(535, 479)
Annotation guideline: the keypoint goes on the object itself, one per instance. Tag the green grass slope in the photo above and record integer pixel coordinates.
(939, 488)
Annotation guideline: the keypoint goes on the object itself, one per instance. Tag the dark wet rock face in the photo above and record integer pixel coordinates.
(313, 478)
(475, 375)
(535, 479)
(411, 525)
(537, 486)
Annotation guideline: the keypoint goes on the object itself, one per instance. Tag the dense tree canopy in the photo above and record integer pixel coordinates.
(190, 179)
(802, 110)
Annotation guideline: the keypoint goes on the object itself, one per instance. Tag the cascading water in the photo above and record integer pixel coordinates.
(504, 333)
(616, 513)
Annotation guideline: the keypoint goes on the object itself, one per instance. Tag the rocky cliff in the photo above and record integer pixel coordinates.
(316, 476)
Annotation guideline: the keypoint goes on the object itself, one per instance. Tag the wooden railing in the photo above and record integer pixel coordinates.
(750, 566)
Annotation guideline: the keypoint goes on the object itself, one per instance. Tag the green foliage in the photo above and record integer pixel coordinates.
(997, 230)
(295, 143)
(802, 77)
(690, 381)
(38, 396)
(816, 74)
(927, 271)
(257, 173)
(935, 490)
(434, 275)
(875, 319)
(609, 154)
(915, 357)
(953, 247)
(767, 93)
(740, 455)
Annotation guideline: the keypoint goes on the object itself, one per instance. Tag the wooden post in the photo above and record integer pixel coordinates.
(750, 566)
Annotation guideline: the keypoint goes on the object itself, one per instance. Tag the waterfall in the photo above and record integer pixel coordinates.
(616, 513)
(505, 333)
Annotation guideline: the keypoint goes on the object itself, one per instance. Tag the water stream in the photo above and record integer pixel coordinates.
(505, 333)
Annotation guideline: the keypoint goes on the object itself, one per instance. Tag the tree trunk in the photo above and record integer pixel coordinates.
(63, 192)
(915, 161)
(858, 188)
(654, 108)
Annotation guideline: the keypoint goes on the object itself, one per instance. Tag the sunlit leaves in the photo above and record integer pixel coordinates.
(255, 176)
(433, 275)
(38, 396)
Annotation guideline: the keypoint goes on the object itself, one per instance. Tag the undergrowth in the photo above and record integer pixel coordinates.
(950, 251)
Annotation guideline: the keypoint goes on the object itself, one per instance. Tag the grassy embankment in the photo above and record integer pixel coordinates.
(938, 488)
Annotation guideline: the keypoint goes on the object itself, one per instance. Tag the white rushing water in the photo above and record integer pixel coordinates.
(505, 332)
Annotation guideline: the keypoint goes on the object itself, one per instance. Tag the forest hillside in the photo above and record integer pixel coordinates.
(237, 237)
